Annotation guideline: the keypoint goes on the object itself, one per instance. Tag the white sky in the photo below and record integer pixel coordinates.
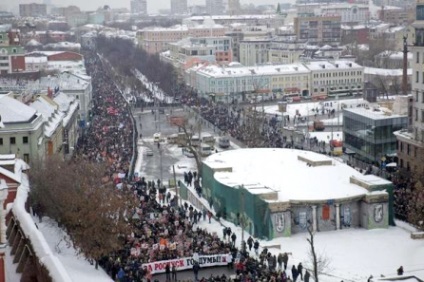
(152, 5)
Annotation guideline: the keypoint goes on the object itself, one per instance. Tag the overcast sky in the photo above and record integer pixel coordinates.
(152, 5)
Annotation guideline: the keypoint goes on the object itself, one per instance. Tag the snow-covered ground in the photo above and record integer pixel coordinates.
(78, 268)
(156, 91)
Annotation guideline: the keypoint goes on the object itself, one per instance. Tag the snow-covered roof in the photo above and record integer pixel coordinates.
(12, 110)
(374, 112)
(385, 72)
(237, 71)
(327, 65)
(280, 170)
(51, 116)
(33, 42)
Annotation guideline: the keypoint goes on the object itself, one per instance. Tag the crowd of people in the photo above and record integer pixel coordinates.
(162, 227)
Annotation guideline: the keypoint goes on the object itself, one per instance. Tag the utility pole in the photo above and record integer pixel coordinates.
(405, 66)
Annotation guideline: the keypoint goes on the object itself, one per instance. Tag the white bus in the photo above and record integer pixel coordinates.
(224, 142)
(205, 149)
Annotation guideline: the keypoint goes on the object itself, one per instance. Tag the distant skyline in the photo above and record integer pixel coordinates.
(152, 5)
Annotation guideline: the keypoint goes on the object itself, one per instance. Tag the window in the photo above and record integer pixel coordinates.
(423, 78)
(422, 115)
(422, 97)
(1, 141)
(418, 57)
(26, 158)
(417, 76)
(416, 95)
(12, 140)
(416, 114)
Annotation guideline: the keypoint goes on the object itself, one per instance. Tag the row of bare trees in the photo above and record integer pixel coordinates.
(91, 212)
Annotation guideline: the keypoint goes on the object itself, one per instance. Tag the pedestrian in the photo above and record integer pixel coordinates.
(233, 239)
(299, 270)
(196, 268)
(400, 271)
(285, 260)
(174, 273)
(250, 243)
(294, 273)
(280, 261)
(209, 216)
(307, 276)
(168, 272)
(256, 246)
(224, 232)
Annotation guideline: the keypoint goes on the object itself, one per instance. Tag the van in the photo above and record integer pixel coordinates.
(156, 137)
(205, 149)
(224, 142)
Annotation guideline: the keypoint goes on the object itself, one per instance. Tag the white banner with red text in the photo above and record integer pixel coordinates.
(187, 263)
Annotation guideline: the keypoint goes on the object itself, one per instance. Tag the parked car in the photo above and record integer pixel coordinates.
(149, 152)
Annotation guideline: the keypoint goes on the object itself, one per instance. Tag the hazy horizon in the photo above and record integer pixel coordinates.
(152, 5)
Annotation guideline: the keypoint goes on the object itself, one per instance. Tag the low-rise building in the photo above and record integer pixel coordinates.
(369, 132)
(22, 133)
(254, 51)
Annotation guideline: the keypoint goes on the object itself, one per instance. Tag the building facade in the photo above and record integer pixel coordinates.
(318, 30)
(411, 139)
(155, 40)
(369, 132)
(215, 7)
(139, 7)
(254, 51)
(179, 7)
(33, 10)
(286, 50)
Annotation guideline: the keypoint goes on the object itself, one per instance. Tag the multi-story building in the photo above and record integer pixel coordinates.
(179, 7)
(155, 40)
(215, 7)
(254, 51)
(350, 13)
(209, 49)
(12, 55)
(318, 30)
(139, 7)
(411, 139)
(270, 20)
(239, 32)
(396, 15)
(22, 133)
(32, 10)
(335, 78)
(286, 49)
(358, 34)
(234, 7)
(369, 132)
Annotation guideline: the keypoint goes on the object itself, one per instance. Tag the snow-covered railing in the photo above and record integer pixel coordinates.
(39, 244)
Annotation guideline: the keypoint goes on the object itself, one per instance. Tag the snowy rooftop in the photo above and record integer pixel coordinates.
(326, 65)
(385, 72)
(374, 112)
(281, 170)
(14, 111)
(218, 71)
(232, 17)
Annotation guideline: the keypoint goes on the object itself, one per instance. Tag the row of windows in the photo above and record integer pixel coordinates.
(12, 140)
(340, 81)
(334, 74)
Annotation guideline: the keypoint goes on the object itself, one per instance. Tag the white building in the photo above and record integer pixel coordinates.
(336, 78)
(254, 51)
(36, 63)
(319, 78)
(139, 7)
(349, 13)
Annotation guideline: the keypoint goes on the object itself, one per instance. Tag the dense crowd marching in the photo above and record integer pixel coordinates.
(162, 229)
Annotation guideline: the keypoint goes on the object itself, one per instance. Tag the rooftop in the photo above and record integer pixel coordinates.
(374, 112)
(283, 171)
(13, 111)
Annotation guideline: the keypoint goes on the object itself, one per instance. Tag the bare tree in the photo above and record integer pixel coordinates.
(90, 212)
(319, 262)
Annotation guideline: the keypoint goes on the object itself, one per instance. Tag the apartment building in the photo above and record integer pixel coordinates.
(179, 7)
(286, 49)
(156, 39)
(32, 10)
(411, 139)
(318, 30)
(254, 51)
